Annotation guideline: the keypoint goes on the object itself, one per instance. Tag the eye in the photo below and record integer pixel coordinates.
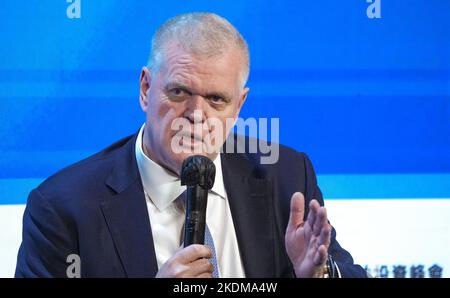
(216, 99)
(178, 92)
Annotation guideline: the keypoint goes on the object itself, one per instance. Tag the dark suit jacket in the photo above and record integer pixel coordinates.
(96, 209)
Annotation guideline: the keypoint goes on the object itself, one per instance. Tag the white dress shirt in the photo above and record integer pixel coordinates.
(167, 215)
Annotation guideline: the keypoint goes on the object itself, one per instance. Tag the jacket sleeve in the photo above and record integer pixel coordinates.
(343, 259)
(45, 240)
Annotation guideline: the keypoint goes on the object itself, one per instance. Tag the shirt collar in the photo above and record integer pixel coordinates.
(161, 185)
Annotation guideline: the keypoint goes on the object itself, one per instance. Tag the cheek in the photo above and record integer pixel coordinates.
(221, 124)
(159, 104)
(163, 110)
(160, 116)
(166, 115)
(231, 111)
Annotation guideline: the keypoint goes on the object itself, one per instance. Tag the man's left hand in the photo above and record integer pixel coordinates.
(307, 241)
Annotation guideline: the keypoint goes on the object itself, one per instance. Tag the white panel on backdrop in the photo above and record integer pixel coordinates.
(10, 237)
(392, 233)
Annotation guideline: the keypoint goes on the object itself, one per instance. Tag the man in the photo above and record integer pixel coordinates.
(121, 211)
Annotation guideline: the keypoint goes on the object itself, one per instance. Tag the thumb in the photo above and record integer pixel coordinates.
(297, 211)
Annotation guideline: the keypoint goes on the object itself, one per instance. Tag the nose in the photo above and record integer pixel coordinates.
(195, 109)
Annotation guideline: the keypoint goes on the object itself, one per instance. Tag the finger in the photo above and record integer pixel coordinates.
(321, 256)
(200, 266)
(297, 211)
(204, 275)
(193, 252)
(321, 221)
(325, 236)
(312, 214)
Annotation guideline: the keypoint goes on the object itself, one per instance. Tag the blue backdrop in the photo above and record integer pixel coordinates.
(367, 99)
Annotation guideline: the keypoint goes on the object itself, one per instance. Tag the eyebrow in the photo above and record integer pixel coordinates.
(177, 85)
(173, 85)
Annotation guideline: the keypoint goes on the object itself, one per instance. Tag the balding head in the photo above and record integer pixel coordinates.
(199, 34)
(196, 76)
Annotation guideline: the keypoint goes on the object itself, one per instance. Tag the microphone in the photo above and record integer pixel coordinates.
(197, 173)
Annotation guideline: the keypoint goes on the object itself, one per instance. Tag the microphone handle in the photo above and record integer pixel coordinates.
(194, 227)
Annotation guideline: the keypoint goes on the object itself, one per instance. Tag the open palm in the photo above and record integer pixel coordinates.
(307, 241)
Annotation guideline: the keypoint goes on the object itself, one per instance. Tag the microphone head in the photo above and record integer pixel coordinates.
(198, 170)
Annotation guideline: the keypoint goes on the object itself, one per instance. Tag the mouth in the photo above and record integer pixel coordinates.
(190, 142)
(190, 136)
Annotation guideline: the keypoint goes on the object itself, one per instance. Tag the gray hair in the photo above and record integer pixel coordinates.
(202, 34)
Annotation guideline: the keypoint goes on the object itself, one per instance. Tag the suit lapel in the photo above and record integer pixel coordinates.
(251, 208)
(127, 217)
(251, 204)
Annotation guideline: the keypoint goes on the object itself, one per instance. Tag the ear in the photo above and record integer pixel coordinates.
(242, 100)
(145, 82)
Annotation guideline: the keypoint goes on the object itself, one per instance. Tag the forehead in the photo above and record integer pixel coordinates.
(217, 71)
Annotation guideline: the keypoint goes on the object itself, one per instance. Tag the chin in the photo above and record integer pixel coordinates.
(176, 161)
(180, 157)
